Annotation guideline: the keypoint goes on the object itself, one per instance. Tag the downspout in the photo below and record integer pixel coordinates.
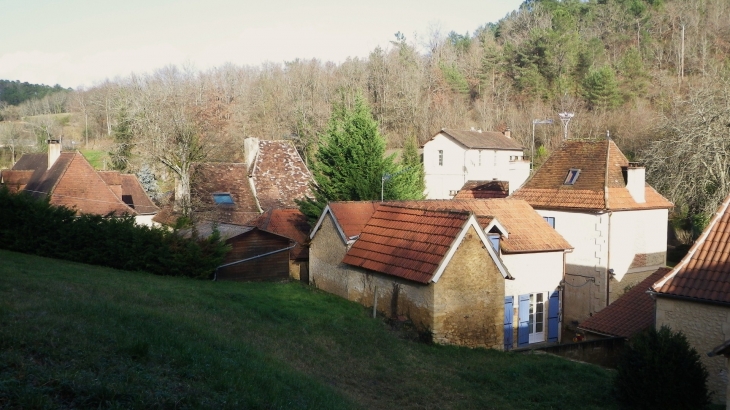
(606, 209)
(215, 275)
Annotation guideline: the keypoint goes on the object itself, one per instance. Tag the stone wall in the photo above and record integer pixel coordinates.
(705, 326)
(469, 298)
(326, 270)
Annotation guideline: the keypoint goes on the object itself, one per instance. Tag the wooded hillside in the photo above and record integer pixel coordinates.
(645, 71)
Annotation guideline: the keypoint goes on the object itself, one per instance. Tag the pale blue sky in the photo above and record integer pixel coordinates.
(82, 42)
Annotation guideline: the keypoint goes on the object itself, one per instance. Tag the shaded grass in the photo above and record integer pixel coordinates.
(74, 335)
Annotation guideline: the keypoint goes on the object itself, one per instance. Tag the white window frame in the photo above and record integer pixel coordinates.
(537, 325)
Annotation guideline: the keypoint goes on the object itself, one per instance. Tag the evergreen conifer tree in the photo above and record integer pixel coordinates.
(350, 165)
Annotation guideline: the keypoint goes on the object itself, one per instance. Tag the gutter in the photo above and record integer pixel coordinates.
(215, 274)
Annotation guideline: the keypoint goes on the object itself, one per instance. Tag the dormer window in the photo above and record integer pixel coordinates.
(494, 240)
(223, 198)
(571, 177)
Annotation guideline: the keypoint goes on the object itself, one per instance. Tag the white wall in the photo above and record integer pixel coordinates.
(634, 233)
(461, 165)
(533, 272)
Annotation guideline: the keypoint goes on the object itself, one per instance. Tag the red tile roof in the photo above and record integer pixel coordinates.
(290, 223)
(629, 314)
(482, 140)
(405, 242)
(599, 186)
(483, 190)
(527, 230)
(232, 178)
(279, 175)
(352, 216)
(71, 182)
(704, 273)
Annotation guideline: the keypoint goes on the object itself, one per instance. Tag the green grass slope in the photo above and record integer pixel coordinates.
(79, 336)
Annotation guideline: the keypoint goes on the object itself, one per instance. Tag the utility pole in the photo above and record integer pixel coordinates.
(565, 119)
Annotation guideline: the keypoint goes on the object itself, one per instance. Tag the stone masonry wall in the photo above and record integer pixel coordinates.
(705, 326)
(326, 270)
(469, 299)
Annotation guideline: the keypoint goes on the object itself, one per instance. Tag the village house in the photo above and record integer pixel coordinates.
(531, 251)
(600, 203)
(435, 267)
(69, 180)
(694, 297)
(453, 157)
(273, 176)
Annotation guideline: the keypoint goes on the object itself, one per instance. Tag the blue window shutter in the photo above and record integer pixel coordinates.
(553, 316)
(509, 302)
(523, 315)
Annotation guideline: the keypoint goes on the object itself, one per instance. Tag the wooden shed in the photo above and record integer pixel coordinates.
(255, 255)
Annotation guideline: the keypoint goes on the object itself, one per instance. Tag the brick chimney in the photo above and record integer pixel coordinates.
(635, 177)
(54, 151)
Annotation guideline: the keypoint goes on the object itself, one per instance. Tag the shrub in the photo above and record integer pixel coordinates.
(34, 226)
(660, 370)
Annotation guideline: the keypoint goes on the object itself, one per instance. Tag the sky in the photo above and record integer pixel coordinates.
(80, 43)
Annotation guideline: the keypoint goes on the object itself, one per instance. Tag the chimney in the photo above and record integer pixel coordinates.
(54, 151)
(635, 177)
(250, 149)
(507, 133)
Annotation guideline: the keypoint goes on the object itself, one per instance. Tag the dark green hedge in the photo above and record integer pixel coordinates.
(34, 226)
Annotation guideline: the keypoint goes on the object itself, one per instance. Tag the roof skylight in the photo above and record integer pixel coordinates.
(223, 198)
(571, 177)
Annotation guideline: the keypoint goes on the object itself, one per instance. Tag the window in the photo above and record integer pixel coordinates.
(441, 157)
(550, 220)
(223, 198)
(537, 317)
(571, 177)
(494, 239)
(480, 158)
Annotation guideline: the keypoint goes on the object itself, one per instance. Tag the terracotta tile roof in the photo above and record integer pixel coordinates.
(527, 230)
(279, 175)
(483, 140)
(232, 178)
(406, 242)
(483, 190)
(599, 186)
(72, 182)
(15, 180)
(352, 216)
(629, 314)
(704, 273)
(135, 197)
(290, 223)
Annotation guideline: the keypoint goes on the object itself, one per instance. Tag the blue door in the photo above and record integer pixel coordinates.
(509, 302)
(553, 316)
(523, 317)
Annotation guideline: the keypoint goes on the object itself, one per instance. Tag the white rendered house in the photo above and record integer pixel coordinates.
(453, 157)
(599, 202)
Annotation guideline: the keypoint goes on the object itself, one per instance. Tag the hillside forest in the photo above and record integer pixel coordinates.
(652, 74)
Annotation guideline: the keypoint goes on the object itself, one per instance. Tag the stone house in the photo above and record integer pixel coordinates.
(435, 267)
(600, 203)
(531, 251)
(453, 157)
(694, 297)
(69, 180)
(273, 176)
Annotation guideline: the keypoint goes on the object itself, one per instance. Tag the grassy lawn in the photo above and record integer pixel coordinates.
(74, 335)
(95, 157)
